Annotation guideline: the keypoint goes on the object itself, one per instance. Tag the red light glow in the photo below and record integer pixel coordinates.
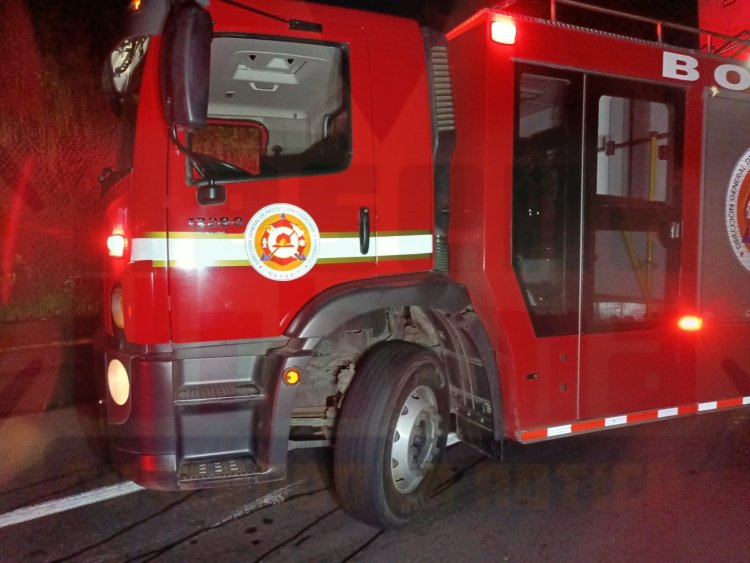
(690, 323)
(504, 31)
(13, 227)
(116, 245)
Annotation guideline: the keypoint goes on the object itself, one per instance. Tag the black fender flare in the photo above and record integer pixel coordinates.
(462, 332)
(343, 303)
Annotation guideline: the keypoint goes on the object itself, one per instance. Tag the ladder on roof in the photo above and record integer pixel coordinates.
(730, 46)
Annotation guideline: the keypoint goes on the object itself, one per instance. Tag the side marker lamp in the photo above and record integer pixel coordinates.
(690, 323)
(118, 310)
(116, 245)
(292, 376)
(118, 382)
(503, 31)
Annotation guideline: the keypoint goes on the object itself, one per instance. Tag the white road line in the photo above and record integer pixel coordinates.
(67, 503)
(120, 489)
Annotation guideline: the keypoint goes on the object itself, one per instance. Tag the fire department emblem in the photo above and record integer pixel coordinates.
(737, 210)
(282, 242)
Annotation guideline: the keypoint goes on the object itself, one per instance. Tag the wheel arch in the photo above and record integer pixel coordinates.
(339, 306)
(465, 349)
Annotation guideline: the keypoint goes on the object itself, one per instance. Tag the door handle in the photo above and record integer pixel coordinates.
(364, 230)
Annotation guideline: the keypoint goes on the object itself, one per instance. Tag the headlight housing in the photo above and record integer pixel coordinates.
(118, 311)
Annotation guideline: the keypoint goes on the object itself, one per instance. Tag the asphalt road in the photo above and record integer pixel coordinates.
(669, 491)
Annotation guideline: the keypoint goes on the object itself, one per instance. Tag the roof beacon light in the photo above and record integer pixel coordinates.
(504, 31)
(690, 323)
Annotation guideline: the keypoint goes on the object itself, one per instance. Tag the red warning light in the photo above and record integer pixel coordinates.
(690, 323)
(116, 245)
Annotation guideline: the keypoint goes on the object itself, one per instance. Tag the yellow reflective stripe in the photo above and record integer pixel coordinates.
(188, 250)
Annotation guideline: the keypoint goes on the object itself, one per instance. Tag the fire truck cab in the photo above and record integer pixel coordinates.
(322, 232)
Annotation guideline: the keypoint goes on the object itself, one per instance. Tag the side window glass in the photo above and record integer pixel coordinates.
(633, 149)
(546, 189)
(276, 108)
(631, 246)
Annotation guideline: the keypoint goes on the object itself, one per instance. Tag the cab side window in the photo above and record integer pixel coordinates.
(276, 108)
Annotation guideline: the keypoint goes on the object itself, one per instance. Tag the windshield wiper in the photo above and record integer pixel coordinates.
(299, 25)
(214, 170)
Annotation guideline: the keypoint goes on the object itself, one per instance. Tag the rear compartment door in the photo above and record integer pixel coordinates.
(631, 248)
(596, 241)
(723, 361)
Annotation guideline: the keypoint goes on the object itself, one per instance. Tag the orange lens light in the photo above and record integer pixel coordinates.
(292, 376)
(116, 245)
(503, 31)
(690, 323)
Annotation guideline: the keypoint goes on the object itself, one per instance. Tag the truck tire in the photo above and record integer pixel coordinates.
(391, 434)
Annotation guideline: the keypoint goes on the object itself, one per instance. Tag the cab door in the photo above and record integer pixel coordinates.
(630, 248)
(273, 207)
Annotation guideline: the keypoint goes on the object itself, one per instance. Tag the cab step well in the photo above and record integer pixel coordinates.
(217, 392)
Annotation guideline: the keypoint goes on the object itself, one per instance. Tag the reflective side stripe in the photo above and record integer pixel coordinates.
(229, 250)
(593, 424)
(713, 405)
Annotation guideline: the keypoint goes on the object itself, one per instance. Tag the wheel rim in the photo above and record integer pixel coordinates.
(415, 439)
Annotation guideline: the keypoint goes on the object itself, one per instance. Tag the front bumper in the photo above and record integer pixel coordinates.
(203, 414)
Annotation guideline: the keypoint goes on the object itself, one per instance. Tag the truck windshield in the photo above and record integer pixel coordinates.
(276, 108)
(122, 82)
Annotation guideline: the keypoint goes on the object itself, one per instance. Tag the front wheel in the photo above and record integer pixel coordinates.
(391, 434)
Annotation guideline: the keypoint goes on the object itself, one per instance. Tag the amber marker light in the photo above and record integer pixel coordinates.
(503, 31)
(116, 245)
(292, 376)
(690, 323)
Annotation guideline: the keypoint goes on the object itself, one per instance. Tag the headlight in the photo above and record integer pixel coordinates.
(118, 382)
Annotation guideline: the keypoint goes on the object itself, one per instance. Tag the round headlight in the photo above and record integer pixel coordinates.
(118, 382)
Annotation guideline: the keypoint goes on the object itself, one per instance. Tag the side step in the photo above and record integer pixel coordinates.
(217, 392)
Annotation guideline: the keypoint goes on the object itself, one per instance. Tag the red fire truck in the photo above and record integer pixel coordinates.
(321, 232)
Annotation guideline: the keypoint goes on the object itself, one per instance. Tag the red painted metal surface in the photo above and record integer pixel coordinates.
(553, 379)
(546, 380)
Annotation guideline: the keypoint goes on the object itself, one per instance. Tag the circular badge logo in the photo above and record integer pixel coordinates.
(737, 210)
(282, 242)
